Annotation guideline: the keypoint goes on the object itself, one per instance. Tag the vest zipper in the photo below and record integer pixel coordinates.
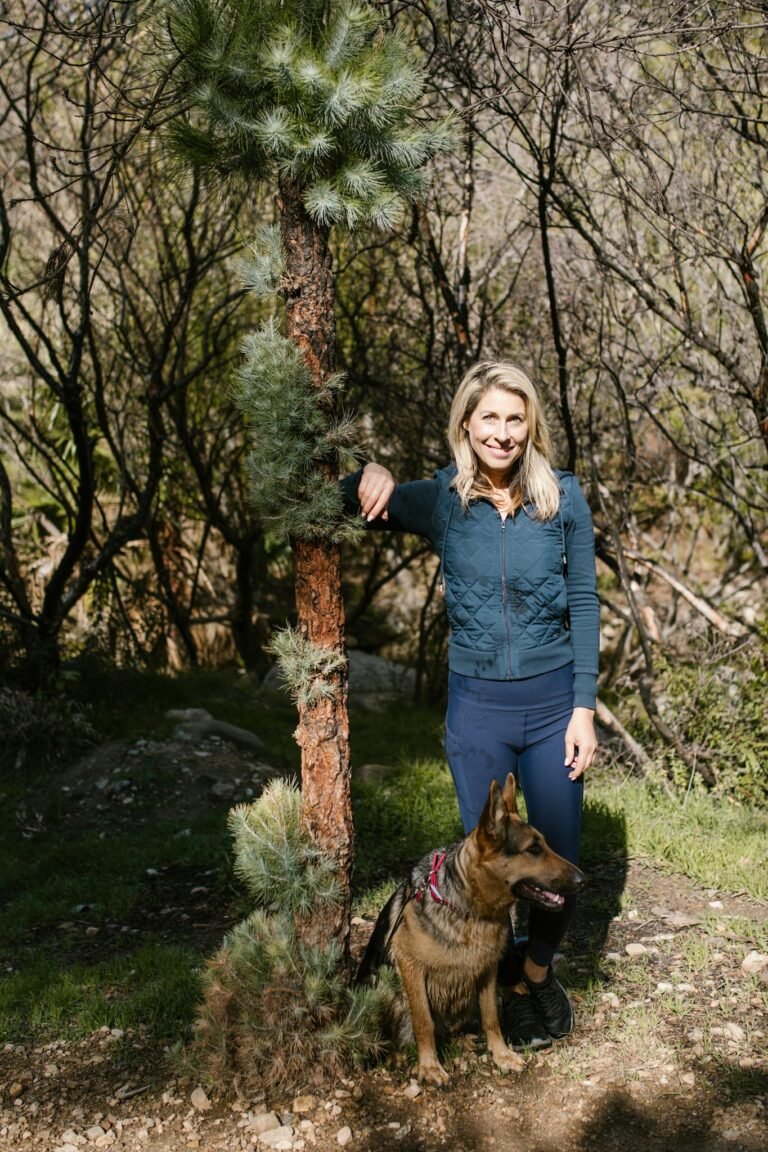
(508, 644)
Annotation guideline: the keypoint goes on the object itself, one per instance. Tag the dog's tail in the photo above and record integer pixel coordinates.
(377, 952)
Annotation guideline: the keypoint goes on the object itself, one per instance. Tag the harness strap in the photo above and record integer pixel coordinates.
(432, 886)
(434, 891)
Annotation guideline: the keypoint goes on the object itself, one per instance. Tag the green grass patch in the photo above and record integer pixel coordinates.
(154, 988)
(47, 878)
(720, 845)
(400, 818)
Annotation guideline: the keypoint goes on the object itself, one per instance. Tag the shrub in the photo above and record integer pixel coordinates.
(41, 729)
(274, 1009)
(716, 701)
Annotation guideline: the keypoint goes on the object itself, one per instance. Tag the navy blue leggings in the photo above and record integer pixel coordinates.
(493, 727)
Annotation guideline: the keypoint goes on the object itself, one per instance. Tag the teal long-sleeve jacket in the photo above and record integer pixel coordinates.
(520, 592)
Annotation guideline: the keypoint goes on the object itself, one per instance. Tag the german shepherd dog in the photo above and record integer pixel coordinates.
(447, 926)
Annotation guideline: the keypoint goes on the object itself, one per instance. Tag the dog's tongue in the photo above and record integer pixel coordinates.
(542, 895)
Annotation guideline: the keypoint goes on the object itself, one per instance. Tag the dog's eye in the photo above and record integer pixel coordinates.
(534, 848)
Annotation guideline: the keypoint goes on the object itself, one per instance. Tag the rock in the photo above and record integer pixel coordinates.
(187, 714)
(15, 1089)
(222, 790)
(611, 999)
(635, 949)
(304, 1104)
(344, 1136)
(734, 1031)
(373, 773)
(277, 1137)
(264, 1122)
(682, 920)
(94, 1133)
(754, 962)
(413, 1090)
(199, 1100)
(197, 724)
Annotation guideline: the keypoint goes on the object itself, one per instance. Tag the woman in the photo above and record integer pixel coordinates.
(516, 548)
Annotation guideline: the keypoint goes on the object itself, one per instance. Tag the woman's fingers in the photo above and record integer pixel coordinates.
(580, 742)
(376, 487)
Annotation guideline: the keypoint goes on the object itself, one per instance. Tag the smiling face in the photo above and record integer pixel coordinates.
(498, 433)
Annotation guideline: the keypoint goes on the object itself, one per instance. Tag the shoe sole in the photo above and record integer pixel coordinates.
(533, 1046)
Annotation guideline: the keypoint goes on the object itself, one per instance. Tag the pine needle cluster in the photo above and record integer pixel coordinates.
(262, 268)
(275, 1008)
(278, 866)
(305, 668)
(292, 430)
(316, 92)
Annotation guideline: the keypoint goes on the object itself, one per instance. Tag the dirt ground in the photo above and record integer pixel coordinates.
(670, 1052)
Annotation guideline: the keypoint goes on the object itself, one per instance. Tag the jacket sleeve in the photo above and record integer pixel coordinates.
(410, 508)
(583, 604)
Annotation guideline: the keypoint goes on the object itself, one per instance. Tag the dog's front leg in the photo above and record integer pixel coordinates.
(503, 1056)
(430, 1070)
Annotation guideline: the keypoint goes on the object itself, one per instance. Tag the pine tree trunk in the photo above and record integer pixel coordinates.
(323, 730)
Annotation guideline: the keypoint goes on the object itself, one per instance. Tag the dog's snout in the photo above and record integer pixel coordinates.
(578, 878)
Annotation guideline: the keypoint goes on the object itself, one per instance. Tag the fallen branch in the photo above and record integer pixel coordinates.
(614, 725)
(715, 618)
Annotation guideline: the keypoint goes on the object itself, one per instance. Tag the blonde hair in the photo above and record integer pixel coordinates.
(533, 478)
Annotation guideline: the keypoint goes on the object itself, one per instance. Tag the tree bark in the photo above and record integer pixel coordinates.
(323, 729)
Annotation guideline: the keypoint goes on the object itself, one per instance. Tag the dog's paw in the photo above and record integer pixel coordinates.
(432, 1072)
(507, 1060)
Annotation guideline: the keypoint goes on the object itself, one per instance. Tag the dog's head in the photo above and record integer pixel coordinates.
(516, 858)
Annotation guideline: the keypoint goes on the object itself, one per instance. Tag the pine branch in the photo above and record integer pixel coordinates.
(262, 270)
(307, 670)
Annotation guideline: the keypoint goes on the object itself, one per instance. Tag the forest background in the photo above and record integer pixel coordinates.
(602, 218)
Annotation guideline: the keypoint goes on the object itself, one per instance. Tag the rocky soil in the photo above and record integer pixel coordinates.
(670, 1051)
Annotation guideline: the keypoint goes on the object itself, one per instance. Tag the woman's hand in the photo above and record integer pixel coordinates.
(580, 742)
(376, 486)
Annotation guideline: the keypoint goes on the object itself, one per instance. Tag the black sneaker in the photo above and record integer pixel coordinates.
(552, 1005)
(524, 1026)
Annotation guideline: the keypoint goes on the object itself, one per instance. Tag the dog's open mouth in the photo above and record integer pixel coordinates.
(543, 896)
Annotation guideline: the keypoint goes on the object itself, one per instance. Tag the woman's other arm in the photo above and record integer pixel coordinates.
(372, 493)
(584, 613)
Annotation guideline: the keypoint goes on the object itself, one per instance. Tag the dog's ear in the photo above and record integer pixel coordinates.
(492, 825)
(510, 794)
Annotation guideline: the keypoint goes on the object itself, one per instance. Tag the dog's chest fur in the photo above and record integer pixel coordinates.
(451, 951)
